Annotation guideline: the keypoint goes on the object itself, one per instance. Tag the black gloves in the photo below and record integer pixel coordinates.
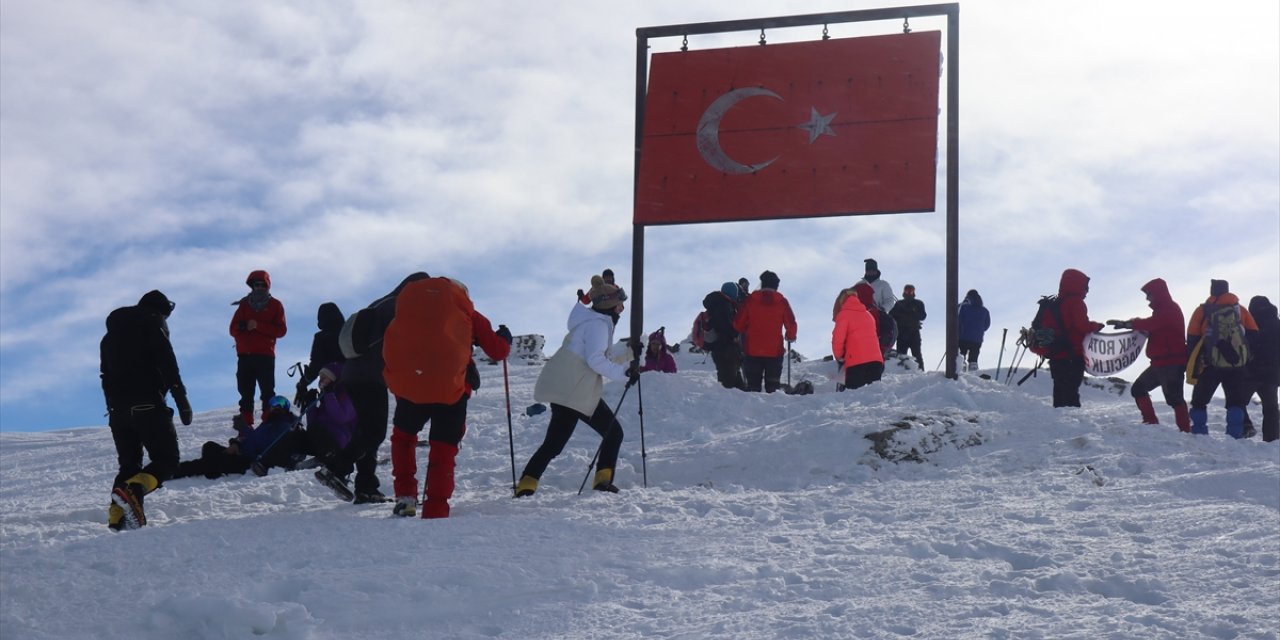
(184, 408)
(504, 333)
(1121, 324)
(633, 374)
(300, 398)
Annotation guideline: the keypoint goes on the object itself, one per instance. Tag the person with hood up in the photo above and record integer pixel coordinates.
(361, 342)
(657, 356)
(138, 369)
(973, 320)
(871, 276)
(1209, 374)
(572, 383)
(855, 342)
(1264, 364)
(428, 356)
(908, 314)
(726, 351)
(324, 348)
(256, 325)
(1067, 368)
(1167, 349)
(764, 320)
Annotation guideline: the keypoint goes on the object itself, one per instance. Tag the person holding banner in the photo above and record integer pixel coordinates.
(1067, 370)
(1167, 349)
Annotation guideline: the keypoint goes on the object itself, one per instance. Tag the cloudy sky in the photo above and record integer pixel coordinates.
(342, 145)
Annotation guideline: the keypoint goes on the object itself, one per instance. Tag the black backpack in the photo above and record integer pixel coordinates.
(1048, 335)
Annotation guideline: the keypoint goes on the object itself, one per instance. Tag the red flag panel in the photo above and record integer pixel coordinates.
(823, 128)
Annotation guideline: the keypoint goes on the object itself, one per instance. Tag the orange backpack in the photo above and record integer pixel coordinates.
(428, 344)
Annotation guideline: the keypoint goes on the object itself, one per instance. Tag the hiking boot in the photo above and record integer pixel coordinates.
(528, 485)
(129, 499)
(607, 487)
(338, 485)
(406, 507)
(115, 517)
(604, 481)
(372, 496)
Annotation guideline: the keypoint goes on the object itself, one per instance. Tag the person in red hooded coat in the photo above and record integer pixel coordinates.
(256, 325)
(1067, 368)
(1167, 349)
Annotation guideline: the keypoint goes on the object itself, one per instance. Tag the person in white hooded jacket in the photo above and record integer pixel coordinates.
(572, 382)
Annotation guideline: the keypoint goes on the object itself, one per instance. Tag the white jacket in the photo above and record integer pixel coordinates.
(884, 293)
(572, 376)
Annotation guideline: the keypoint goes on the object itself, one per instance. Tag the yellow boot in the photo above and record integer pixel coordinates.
(604, 481)
(148, 482)
(128, 499)
(115, 517)
(528, 485)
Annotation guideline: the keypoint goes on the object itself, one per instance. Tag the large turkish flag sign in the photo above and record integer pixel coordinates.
(823, 128)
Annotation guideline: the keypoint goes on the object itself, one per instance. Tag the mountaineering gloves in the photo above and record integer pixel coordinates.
(504, 333)
(1121, 324)
(184, 408)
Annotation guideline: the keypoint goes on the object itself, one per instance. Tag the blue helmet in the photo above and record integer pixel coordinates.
(278, 402)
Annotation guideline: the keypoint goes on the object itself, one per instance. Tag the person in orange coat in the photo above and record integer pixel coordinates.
(427, 351)
(256, 325)
(1234, 379)
(764, 319)
(855, 344)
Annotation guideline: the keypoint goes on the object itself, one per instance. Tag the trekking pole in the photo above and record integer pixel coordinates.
(644, 466)
(511, 439)
(940, 360)
(1031, 372)
(788, 364)
(1000, 361)
(1015, 361)
(606, 435)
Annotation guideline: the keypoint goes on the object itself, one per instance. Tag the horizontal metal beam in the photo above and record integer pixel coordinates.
(865, 15)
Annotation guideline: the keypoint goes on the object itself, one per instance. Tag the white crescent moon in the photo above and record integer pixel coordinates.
(708, 137)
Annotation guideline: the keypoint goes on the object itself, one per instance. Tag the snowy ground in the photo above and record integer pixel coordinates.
(764, 517)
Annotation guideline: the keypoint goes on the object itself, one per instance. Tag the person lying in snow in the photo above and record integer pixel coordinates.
(275, 443)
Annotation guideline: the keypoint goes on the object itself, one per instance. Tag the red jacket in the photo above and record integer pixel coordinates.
(1166, 344)
(269, 326)
(854, 340)
(1075, 313)
(761, 320)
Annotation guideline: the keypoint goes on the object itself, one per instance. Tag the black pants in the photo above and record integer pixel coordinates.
(909, 340)
(728, 361)
(1234, 382)
(563, 422)
(1265, 383)
(214, 462)
(372, 409)
(448, 421)
(1169, 378)
(970, 350)
(255, 370)
(144, 425)
(1068, 375)
(861, 375)
(754, 368)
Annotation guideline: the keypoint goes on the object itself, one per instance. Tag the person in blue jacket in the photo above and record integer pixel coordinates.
(974, 320)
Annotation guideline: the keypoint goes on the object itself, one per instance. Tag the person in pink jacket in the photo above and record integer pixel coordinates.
(256, 325)
(855, 344)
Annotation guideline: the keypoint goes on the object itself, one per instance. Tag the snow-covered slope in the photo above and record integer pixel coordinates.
(765, 516)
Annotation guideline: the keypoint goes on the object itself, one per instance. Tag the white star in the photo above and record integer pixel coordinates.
(818, 125)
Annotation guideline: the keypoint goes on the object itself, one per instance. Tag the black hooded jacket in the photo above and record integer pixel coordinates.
(137, 361)
(1265, 358)
(324, 346)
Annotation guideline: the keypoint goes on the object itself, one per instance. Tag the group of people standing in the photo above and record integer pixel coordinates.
(746, 332)
(1223, 344)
